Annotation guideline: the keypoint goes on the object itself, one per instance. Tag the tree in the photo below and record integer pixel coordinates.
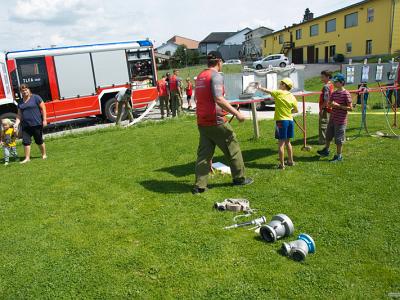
(179, 59)
(185, 57)
(193, 57)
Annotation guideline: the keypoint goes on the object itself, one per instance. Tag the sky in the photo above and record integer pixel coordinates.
(27, 24)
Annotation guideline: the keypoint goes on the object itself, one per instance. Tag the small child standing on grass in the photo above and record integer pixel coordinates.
(7, 140)
(341, 103)
(189, 92)
(285, 106)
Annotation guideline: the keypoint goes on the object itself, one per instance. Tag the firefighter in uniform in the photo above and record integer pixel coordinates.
(168, 76)
(163, 96)
(175, 89)
(213, 127)
(124, 100)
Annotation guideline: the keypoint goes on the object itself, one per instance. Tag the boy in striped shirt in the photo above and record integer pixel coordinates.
(341, 103)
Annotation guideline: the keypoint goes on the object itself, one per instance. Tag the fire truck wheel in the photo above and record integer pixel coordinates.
(110, 110)
(282, 64)
(259, 67)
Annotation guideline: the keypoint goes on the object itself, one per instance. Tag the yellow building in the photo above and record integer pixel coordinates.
(365, 29)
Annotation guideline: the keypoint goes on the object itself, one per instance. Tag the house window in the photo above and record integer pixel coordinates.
(265, 43)
(349, 47)
(314, 30)
(298, 34)
(281, 39)
(368, 47)
(351, 20)
(332, 51)
(330, 25)
(370, 15)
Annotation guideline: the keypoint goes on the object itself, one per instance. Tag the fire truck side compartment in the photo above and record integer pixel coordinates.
(110, 68)
(75, 80)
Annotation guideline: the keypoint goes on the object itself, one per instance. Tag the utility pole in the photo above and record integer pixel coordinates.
(186, 56)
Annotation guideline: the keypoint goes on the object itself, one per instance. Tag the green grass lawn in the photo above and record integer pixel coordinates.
(110, 216)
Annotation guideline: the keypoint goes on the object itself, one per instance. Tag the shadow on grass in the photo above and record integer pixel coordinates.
(255, 154)
(258, 238)
(19, 159)
(179, 170)
(188, 168)
(308, 158)
(174, 187)
(311, 140)
(166, 186)
(314, 140)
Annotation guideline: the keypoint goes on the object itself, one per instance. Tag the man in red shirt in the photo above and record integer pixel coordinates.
(175, 88)
(213, 127)
(163, 95)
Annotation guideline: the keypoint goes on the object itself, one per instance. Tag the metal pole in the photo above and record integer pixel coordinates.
(304, 124)
(186, 56)
(396, 96)
(255, 121)
(364, 125)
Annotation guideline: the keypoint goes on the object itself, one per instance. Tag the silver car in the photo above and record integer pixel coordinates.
(233, 62)
(274, 60)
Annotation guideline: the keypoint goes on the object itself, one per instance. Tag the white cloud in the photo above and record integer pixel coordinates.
(28, 23)
(51, 11)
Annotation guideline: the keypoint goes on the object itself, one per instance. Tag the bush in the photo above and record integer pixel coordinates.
(377, 105)
(339, 58)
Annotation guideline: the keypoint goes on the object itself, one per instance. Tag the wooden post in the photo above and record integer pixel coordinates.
(255, 120)
(396, 95)
(304, 123)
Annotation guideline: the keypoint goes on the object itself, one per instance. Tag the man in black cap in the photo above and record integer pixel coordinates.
(213, 126)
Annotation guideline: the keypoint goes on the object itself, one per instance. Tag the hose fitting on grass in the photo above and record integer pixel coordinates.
(299, 248)
(279, 227)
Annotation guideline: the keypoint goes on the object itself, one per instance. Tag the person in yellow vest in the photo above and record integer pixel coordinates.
(285, 106)
(7, 140)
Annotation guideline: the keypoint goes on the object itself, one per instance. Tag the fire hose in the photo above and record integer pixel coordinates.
(143, 115)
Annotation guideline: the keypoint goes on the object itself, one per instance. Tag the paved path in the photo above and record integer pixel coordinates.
(313, 70)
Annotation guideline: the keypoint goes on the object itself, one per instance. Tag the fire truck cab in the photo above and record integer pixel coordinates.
(79, 81)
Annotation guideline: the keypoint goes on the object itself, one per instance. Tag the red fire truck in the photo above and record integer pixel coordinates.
(79, 81)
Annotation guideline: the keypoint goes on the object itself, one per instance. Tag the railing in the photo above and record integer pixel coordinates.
(304, 95)
(360, 92)
(286, 47)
